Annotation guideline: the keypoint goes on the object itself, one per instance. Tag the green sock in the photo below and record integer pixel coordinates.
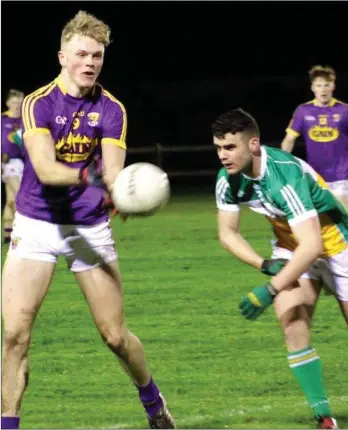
(305, 365)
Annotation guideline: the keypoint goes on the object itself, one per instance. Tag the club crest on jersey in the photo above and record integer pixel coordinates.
(323, 134)
(93, 118)
(75, 147)
(336, 117)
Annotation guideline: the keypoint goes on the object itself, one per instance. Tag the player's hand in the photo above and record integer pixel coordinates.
(92, 174)
(274, 266)
(109, 204)
(257, 301)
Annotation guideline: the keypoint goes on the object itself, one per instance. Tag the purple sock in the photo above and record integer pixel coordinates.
(150, 398)
(10, 422)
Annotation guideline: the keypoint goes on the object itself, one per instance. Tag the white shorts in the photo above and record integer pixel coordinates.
(332, 271)
(84, 247)
(340, 188)
(14, 167)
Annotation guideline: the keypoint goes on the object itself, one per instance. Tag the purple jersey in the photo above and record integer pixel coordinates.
(9, 126)
(79, 127)
(325, 132)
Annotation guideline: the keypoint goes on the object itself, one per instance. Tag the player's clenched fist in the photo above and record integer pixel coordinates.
(92, 174)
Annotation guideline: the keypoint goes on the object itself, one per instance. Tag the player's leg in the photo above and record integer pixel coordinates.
(98, 275)
(27, 273)
(343, 304)
(24, 285)
(294, 309)
(338, 266)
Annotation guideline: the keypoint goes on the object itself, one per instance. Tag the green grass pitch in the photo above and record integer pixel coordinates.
(182, 290)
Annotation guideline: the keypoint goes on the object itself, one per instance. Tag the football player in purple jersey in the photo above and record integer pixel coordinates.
(61, 212)
(323, 124)
(11, 157)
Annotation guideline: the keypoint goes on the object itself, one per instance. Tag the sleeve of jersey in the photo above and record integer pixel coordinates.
(295, 200)
(295, 125)
(35, 115)
(223, 194)
(115, 125)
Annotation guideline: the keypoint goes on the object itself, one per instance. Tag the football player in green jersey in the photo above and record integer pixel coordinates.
(311, 230)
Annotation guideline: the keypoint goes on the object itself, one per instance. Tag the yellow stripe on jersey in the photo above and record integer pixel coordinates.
(9, 114)
(25, 107)
(29, 103)
(321, 182)
(332, 102)
(36, 130)
(283, 234)
(291, 131)
(60, 83)
(109, 140)
(333, 240)
(124, 125)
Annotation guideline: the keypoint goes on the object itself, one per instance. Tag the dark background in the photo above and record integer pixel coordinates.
(176, 65)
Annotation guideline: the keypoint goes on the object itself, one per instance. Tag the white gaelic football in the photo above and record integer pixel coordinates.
(141, 189)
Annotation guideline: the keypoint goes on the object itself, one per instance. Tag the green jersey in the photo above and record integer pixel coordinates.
(288, 191)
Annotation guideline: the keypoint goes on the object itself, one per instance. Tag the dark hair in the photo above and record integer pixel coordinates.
(235, 121)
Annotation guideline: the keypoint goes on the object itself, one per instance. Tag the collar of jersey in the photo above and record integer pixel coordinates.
(9, 115)
(61, 86)
(333, 101)
(263, 166)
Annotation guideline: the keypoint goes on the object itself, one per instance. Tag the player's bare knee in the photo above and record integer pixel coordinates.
(295, 326)
(10, 201)
(16, 340)
(112, 336)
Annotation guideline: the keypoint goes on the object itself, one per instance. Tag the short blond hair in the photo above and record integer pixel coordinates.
(324, 72)
(15, 93)
(85, 24)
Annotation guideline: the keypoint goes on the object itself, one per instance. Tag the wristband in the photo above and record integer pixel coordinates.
(271, 289)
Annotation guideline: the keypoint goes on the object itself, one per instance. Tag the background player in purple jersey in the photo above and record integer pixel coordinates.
(323, 124)
(11, 158)
(60, 211)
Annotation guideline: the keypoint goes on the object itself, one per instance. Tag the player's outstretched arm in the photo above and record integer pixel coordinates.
(113, 162)
(308, 236)
(42, 155)
(233, 241)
